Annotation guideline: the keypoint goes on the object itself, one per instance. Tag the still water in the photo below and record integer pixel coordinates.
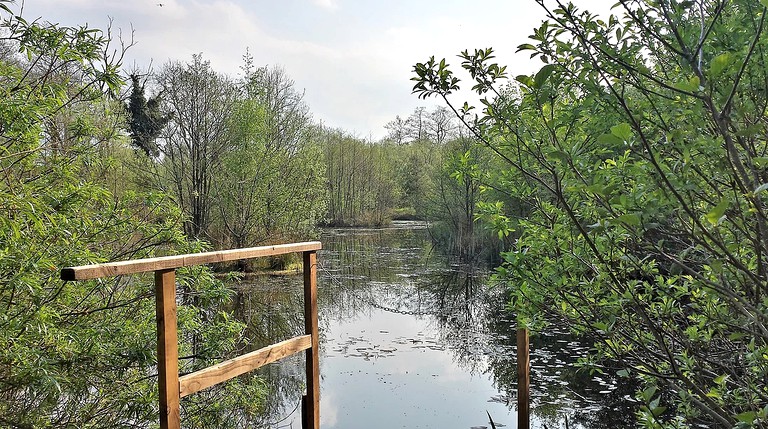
(409, 340)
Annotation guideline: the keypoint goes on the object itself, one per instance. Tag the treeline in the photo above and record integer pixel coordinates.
(241, 157)
(246, 164)
(371, 183)
(427, 168)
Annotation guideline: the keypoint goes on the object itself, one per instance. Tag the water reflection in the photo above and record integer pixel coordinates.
(409, 341)
(272, 308)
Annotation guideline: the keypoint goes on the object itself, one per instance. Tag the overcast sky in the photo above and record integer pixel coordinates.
(353, 58)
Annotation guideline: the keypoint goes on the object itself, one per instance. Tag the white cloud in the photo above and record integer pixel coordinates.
(355, 61)
(327, 4)
(329, 415)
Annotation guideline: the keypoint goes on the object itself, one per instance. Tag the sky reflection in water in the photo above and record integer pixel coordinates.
(414, 383)
(408, 341)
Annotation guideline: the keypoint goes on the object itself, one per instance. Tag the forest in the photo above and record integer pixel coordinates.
(620, 188)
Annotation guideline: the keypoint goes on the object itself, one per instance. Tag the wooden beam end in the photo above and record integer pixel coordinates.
(68, 274)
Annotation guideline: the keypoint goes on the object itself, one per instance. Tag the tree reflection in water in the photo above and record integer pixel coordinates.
(478, 329)
(273, 310)
(364, 272)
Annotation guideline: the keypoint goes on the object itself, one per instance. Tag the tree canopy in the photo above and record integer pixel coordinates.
(82, 354)
(638, 151)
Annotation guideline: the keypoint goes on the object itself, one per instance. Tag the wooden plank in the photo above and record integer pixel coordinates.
(311, 409)
(226, 370)
(172, 262)
(167, 349)
(523, 380)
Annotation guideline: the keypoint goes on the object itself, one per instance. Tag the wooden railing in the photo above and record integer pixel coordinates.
(172, 387)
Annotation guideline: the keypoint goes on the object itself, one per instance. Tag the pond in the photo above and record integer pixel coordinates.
(409, 340)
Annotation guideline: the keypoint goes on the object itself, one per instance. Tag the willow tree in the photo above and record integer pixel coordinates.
(83, 354)
(640, 149)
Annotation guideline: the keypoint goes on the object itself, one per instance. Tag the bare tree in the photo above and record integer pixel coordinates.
(416, 124)
(397, 131)
(441, 125)
(200, 101)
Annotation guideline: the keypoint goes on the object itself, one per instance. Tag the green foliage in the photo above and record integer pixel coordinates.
(361, 178)
(240, 157)
(82, 354)
(638, 151)
(270, 184)
(434, 78)
(455, 202)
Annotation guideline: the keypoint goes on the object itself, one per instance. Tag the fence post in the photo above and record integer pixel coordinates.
(523, 380)
(311, 403)
(167, 348)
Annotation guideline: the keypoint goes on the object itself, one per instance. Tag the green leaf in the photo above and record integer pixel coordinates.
(719, 63)
(690, 85)
(648, 393)
(622, 131)
(764, 3)
(525, 47)
(748, 416)
(602, 326)
(623, 373)
(694, 83)
(543, 75)
(760, 161)
(609, 139)
(684, 86)
(761, 188)
(714, 393)
(525, 80)
(716, 215)
(654, 404)
(597, 189)
(629, 219)
(559, 155)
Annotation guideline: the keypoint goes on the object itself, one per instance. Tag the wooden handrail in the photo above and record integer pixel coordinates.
(172, 387)
(135, 266)
(226, 370)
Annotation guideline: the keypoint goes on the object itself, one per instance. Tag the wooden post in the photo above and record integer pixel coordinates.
(523, 380)
(167, 348)
(311, 403)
